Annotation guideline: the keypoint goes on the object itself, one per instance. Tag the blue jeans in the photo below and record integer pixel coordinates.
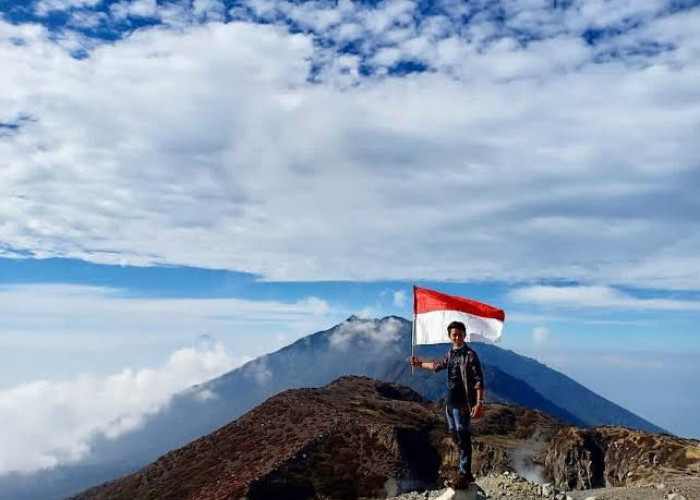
(459, 425)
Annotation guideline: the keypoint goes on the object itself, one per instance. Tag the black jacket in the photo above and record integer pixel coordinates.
(472, 376)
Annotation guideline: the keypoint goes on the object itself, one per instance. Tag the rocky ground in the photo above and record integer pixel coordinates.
(510, 486)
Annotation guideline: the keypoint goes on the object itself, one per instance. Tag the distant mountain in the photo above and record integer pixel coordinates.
(502, 388)
(373, 348)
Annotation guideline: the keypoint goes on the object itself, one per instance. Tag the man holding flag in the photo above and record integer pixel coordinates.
(465, 380)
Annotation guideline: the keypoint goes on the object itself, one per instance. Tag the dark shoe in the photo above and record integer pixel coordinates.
(460, 481)
(450, 481)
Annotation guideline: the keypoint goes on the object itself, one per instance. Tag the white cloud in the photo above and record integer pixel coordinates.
(44, 7)
(380, 333)
(207, 145)
(81, 338)
(540, 335)
(367, 313)
(258, 370)
(56, 330)
(205, 395)
(400, 298)
(632, 362)
(597, 297)
(47, 423)
(209, 10)
(36, 306)
(138, 8)
(86, 19)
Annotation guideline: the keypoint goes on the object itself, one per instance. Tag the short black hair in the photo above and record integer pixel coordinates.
(458, 325)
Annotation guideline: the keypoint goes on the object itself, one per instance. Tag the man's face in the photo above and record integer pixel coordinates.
(456, 336)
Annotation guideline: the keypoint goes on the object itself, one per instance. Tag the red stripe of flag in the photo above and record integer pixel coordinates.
(425, 300)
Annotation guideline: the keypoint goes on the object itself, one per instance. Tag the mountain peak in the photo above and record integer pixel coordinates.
(365, 319)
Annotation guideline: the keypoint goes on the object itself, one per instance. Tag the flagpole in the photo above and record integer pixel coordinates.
(413, 326)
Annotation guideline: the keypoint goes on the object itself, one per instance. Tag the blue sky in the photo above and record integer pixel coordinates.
(189, 184)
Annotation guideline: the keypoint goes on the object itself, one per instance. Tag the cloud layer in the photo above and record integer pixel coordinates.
(61, 330)
(46, 423)
(372, 332)
(540, 335)
(597, 297)
(667, 375)
(479, 141)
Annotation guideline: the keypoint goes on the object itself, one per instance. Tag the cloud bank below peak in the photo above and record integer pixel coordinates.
(49, 423)
(537, 144)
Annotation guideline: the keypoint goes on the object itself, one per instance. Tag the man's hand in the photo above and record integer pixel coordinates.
(414, 361)
(477, 410)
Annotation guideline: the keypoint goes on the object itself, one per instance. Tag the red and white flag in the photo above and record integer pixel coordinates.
(433, 311)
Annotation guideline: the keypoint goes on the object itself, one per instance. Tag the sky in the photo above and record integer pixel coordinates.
(187, 185)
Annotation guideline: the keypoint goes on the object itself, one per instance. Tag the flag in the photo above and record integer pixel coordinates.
(433, 311)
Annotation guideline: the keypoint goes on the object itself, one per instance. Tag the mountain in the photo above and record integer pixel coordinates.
(362, 438)
(373, 348)
(356, 437)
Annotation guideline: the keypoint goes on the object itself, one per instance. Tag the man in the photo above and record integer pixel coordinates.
(465, 397)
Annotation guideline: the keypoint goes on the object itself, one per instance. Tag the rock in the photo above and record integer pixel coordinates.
(591, 498)
(473, 493)
(547, 490)
(675, 496)
(559, 496)
(613, 456)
